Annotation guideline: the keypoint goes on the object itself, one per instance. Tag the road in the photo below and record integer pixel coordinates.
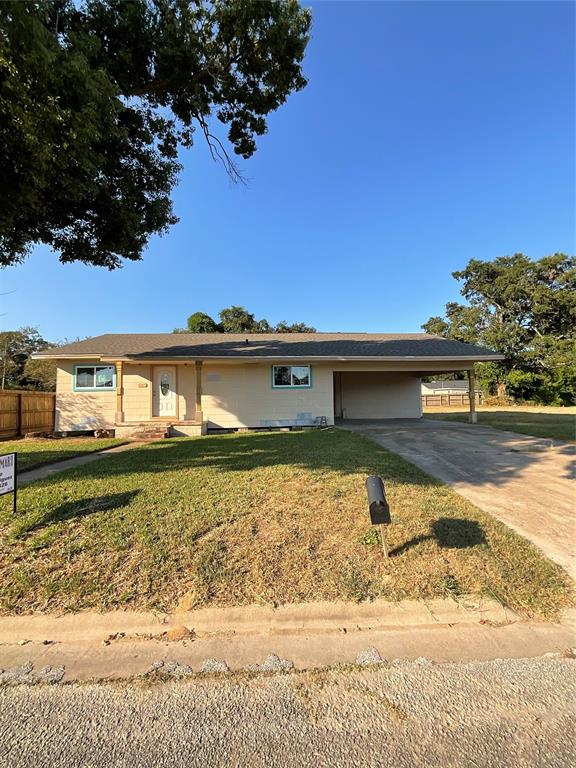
(497, 713)
(527, 482)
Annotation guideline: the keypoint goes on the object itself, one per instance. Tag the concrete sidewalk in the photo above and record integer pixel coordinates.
(47, 470)
(527, 482)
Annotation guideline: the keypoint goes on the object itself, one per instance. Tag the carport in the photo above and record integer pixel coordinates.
(377, 395)
(395, 393)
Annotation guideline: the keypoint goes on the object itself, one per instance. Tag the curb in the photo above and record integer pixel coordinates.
(315, 618)
(255, 639)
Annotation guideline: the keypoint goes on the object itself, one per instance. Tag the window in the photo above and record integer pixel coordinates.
(291, 376)
(94, 377)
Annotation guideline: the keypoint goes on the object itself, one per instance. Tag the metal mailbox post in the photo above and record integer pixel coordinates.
(378, 506)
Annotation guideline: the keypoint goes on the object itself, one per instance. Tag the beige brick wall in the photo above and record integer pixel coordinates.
(137, 392)
(81, 410)
(243, 396)
(186, 388)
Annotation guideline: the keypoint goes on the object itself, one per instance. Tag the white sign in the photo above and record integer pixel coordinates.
(7, 473)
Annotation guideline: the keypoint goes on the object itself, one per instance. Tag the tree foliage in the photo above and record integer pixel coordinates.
(200, 322)
(238, 320)
(527, 311)
(17, 369)
(97, 96)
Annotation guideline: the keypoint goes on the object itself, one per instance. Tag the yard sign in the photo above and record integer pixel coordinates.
(8, 475)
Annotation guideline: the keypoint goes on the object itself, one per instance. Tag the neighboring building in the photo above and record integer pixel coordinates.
(200, 382)
(460, 387)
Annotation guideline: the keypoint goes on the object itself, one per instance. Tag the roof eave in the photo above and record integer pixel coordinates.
(222, 358)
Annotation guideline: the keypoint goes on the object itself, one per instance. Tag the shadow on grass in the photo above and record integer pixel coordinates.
(72, 510)
(320, 450)
(450, 533)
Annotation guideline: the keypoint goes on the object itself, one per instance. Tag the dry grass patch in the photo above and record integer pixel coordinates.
(269, 517)
(35, 452)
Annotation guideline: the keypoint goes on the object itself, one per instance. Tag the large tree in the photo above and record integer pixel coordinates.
(17, 369)
(97, 96)
(238, 320)
(526, 310)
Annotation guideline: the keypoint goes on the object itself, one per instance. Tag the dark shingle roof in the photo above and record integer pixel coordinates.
(274, 345)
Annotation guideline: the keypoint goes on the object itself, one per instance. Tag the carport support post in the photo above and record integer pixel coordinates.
(119, 393)
(473, 416)
(198, 408)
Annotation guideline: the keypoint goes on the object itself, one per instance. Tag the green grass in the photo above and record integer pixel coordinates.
(37, 452)
(270, 518)
(559, 426)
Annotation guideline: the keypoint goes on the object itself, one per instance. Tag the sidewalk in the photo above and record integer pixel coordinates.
(76, 461)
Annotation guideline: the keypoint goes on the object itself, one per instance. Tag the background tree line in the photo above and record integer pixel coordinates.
(238, 320)
(527, 311)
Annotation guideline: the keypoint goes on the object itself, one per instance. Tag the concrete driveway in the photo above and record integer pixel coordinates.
(527, 482)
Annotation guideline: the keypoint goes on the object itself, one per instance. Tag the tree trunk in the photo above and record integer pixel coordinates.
(501, 393)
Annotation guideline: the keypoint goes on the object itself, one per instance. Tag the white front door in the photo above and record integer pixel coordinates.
(164, 392)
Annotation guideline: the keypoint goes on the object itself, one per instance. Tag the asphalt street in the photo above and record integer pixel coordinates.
(493, 713)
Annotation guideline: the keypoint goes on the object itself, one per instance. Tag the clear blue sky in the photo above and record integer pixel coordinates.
(430, 133)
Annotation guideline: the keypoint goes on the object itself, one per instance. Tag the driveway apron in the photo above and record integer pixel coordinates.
(526, 482)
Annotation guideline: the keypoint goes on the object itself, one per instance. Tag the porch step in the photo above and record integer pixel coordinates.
(150, 433)
(159, 430)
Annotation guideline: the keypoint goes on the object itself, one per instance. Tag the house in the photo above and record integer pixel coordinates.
(445, 387)
(205, 382)
(441, 393)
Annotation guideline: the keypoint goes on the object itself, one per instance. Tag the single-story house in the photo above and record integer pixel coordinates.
(455, 387)
(209, 381)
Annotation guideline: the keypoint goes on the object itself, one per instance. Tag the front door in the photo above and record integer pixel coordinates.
(164, 392)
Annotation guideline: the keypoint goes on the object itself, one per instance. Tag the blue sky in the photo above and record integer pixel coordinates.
(430, 133)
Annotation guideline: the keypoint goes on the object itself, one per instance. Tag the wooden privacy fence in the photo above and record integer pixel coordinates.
(462, 399)
(22, 411)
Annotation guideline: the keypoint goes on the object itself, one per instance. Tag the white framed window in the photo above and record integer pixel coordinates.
(94, 377)
(291, 376)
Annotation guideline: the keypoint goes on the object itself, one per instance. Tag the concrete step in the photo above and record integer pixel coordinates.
(150, 434)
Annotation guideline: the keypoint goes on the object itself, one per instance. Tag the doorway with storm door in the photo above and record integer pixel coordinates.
(164, 400)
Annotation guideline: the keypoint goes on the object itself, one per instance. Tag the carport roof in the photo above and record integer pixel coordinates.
(305, 346)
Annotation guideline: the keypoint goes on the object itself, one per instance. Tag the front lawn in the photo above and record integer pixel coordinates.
(557, 423)
(37, 452)
(270, 518)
